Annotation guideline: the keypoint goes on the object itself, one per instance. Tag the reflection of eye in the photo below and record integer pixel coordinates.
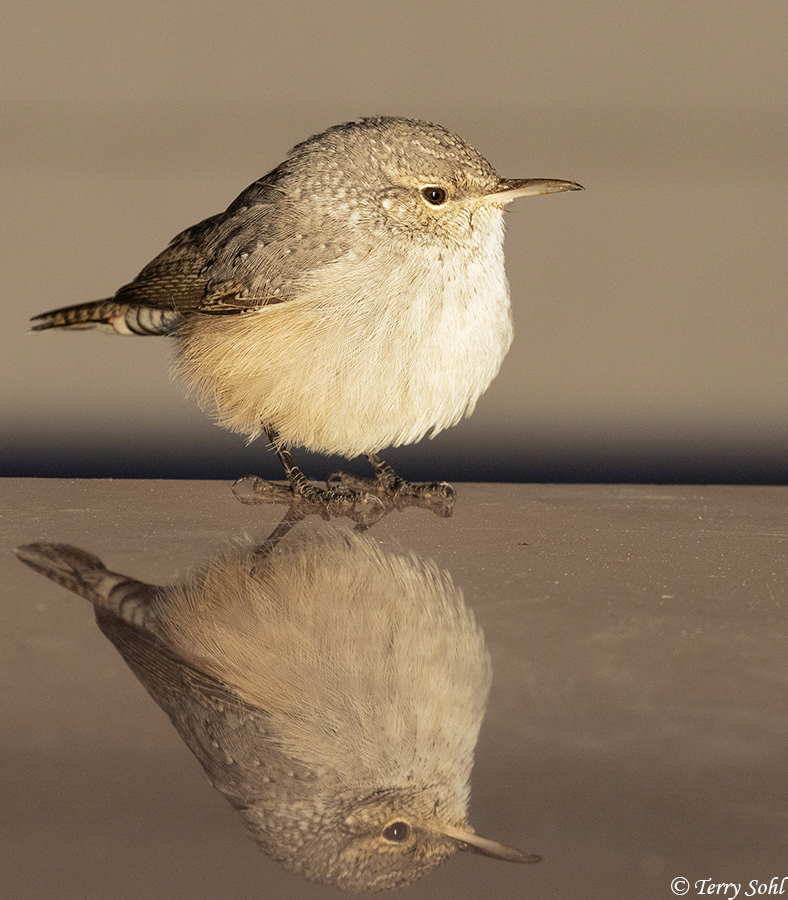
(397, 832)
(434, 195)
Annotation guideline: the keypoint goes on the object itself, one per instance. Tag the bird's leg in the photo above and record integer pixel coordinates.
(339, 500)
(398, 493)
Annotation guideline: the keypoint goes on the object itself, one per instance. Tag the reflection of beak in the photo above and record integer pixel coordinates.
(509, 188)
(474, 842)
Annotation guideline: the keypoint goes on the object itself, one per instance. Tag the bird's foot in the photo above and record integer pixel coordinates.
(362, 507)
(395, 492)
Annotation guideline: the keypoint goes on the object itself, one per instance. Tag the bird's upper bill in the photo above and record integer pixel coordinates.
(469, 840)
(511, 188)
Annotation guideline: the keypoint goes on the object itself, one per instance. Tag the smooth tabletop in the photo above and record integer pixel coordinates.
(636, 731)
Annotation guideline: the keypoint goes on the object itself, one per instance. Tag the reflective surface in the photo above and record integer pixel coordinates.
(636, 730)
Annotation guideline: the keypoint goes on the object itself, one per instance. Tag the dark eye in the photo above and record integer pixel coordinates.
(397, 832)
(434, 195)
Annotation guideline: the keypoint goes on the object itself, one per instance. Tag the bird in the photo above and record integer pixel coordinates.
(352, 299)
(331, 689)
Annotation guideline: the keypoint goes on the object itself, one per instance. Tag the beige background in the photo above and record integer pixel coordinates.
(649, 310)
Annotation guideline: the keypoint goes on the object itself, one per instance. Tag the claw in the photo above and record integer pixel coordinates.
(361, 507)
(395, 493)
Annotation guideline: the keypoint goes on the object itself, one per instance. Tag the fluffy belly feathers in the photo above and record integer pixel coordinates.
(399, 368)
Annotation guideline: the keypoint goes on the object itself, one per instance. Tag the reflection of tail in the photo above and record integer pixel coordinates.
(110, 315)
(85, 574)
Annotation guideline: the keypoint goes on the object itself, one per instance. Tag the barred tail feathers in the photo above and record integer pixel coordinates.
(86, 575)
(110, 316)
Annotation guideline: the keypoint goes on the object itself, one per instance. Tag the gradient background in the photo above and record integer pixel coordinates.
(649, 311)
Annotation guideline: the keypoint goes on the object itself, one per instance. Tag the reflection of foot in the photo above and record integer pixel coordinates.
(395, 492)
(361, 507)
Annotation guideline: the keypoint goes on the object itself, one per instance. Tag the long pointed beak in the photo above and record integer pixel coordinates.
(511, 188)
(486, 847)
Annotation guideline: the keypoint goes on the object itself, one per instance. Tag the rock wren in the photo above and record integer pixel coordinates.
(332, 690)
(352, 299)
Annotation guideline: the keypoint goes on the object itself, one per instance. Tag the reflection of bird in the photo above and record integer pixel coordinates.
(352, 299)
(332, 691)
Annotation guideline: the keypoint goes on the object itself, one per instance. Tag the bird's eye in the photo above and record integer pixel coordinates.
(434, 195)
(397, 832)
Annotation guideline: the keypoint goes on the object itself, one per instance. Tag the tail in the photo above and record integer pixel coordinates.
(86, 575)
(111, 316)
